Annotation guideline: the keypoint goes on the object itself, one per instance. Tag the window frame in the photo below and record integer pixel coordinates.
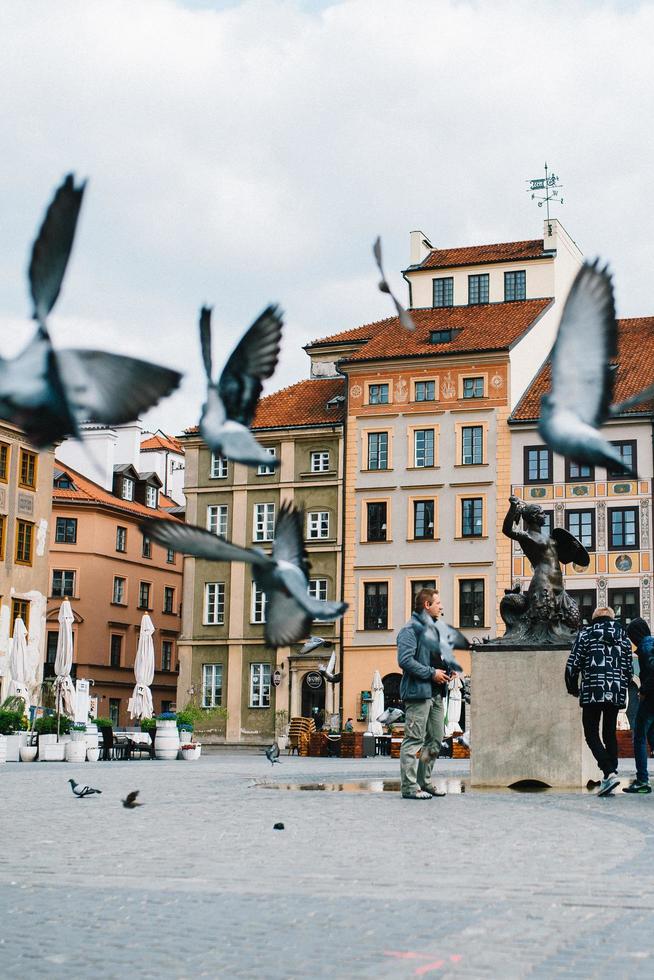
(383, 524)
(121, 537)
(216, 668)
(146, 546)
(267, 531)
(571, 478)
(145, 589)
(415, 502)
(20, 607)
(23, 526)
(518, 285)
(65, 522)
(385, 453)
(426, 452)
(575, 593)
(481, 282)
(5, 461)
(378, 584)
(318, 521)
(425, 382)
(461, 582)
(446, 284)
(610, 511)
(218, 467)
(263, 469)
(112, 637)
(472, 427)
(626, 589)
(123, 590)
(127, 486)
(474, 378)
(480, 518)
(3, 536)
(541, 448)
(63, 573)
(218, 511)
(166, 655)
(214, 595)
(318, 588)
(319, 456)
(382, 390)
(151, 492)
(27, 460)
(264, 683)
(169, 594)
(569, 512)
(633, 444)
(258, 604)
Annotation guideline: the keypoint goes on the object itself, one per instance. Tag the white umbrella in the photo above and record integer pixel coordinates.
(376, 705)
(141, 700)
(65, 691)
(18, 664)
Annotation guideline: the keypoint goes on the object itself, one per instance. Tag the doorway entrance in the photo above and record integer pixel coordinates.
(313, 697)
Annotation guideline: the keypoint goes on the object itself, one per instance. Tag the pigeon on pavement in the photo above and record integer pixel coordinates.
(313, 643)
(439, 636)
(583, 375)
(328, 672)
(405, 319)
(232, 401)
(283, 576)
(391, 716)
(82, 791)
(130, 800)
(49, 393)
(278, 826)
(272, 753)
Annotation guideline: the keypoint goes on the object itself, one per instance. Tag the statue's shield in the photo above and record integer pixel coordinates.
(569, 548)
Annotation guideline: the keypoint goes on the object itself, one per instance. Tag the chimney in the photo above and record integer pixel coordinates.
(550, 234)
(419, 247)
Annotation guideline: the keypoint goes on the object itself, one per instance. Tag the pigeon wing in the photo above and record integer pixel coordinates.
(405, 319)
(316, 608)
(130, 798)
(191, 540)
(582, 376)
(205, 338)
(253, 359)
(288, 544)
(109, 388)
(51, 250)
(286, 621)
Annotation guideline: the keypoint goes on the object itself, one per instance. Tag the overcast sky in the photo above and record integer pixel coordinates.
(246, 152)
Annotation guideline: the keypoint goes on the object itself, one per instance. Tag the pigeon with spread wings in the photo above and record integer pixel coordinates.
(404, 317)
(49, 393)
(283, 576)
(232, 400)
(583, 374)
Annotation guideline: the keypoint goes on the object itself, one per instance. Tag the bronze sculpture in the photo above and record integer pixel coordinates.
(545, 613)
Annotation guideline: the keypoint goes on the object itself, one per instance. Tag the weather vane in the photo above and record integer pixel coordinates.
(549, 184)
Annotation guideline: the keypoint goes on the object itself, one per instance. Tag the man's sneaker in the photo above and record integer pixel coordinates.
(637, 787)
(608, 784)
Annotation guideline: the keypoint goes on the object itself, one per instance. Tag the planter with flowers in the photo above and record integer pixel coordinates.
(191, 751)
(166, 745)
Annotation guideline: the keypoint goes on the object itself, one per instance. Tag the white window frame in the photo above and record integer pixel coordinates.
(210, 673)
(213, 610)
(320, 461)
(63, 572)
(151, 495)
(263, 522)
(118, 595)
(217, 467)
(263, 469)
(127, 488)
(317, 524)
(217, 516)
(258, 604)
(260, 682)
(121, 537)
(420, 456)
(318, 588)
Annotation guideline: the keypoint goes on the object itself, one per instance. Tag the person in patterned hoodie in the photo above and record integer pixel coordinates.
(601, 654)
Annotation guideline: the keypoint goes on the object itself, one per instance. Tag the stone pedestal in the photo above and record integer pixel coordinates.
(524, 724)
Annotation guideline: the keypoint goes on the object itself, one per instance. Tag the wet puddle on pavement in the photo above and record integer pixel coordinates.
(450, 785)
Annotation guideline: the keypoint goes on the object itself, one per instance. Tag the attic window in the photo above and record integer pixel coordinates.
(441, 336)
(127, 489)
(150, 495)
(64, 482)
(335, 401)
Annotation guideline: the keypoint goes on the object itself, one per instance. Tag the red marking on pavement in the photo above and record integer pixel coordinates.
(406, 955)
(436, 965)
(426, 967)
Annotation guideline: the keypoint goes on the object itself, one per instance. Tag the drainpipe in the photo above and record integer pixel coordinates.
(340, 694)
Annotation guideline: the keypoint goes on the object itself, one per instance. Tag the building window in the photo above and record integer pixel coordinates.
(212, 685)
(66, 530)
(218, 467)
(170, 556)
(121, 539)
(217, 520)
(63, 583)
(264, 522)
(472, 517)
(214, 604)
(127, 489)
(166, 654)
(623, 527)
(169, 599)
(376, 521)
(378, 394)
(423, 519)
(378, 450)
(417, 585)
(144, 595)
(586, 599)
(51, 647)
(578, 471)
(264, 469)
(441, 336)
(425, 391)
(318, 524)
(119, 591)
(258, 609)
(20, 607)
(627, 451)
(443, 291)
(473, 387)
(478, 289)
(151, 494)
(375, 609)
(318, 589)
(471, 603)
(472, 444)
(27, 469)
(581, 524)
(259, 685)
(146, 548)
(4, 462)
(548, 522)
(538, 464)
(115, 649)
(24, 542)
(3, 533)
(625, 603)
(515, 285)
(423, 447)
(114, 711)
(320, 461)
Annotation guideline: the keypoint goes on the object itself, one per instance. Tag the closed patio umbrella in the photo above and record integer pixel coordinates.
(64, 689)
(141, 700)
(376, 705)
(18, 667)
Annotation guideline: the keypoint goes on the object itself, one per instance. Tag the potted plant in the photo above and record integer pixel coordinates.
(76, 748)
(166, 745)
(51, 750)
(191, 751)
(13, 728)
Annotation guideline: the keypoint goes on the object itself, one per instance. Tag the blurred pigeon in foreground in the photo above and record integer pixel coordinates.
(272, 753)
(283, 576)
(405, 319)
(130, 800)
(82, 791)
(48, 393)
(232, 401)
(582, 374)
(328, 672)
(391, 716)
(313, 643)
(439, 636)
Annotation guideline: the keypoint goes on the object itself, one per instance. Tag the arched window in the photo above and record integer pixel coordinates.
(392, 697)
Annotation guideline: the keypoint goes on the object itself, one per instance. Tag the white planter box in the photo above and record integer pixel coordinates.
(27, 753)
(14, 743)
(191, 754)
(92, 754)
(166, 743)
(75, 751)
(3, 749)
(52, 752)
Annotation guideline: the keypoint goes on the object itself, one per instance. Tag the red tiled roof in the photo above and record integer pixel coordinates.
(86, 491)
(446, 258)
(171, 443)
(304, 403)
(635, 370)
(494, 326)
(354, 334)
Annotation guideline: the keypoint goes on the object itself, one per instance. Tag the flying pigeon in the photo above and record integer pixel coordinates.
(82, 791)
(391, 716)
(313, 643)
(405, 319)
(582, 374)
(439, 637)
(328, 671)
(130, 800)
(49, 393)
(283, 576)
(232, 401)
(272, 753)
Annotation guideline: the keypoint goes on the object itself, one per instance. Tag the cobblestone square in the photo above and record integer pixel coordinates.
(360, 883)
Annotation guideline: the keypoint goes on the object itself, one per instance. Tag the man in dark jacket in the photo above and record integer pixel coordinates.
(422, 689)
(602, 655)
(639, 633)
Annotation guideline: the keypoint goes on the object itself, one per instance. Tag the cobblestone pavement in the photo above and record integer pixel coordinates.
(196, 883)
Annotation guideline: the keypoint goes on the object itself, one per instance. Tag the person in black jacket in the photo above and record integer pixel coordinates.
(601, 654)
(639, 633)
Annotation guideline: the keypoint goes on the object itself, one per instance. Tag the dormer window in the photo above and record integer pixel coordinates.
(515, 285)
(335, 401)
(443, 292)
(478, 289)
(441, 336)
(150, 496)
(127, 489)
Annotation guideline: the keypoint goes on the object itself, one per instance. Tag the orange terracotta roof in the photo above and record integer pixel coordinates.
(171, 443)
(355, 334)
(86, 491)
(635, 371)
(494, 326)
(447, 258)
